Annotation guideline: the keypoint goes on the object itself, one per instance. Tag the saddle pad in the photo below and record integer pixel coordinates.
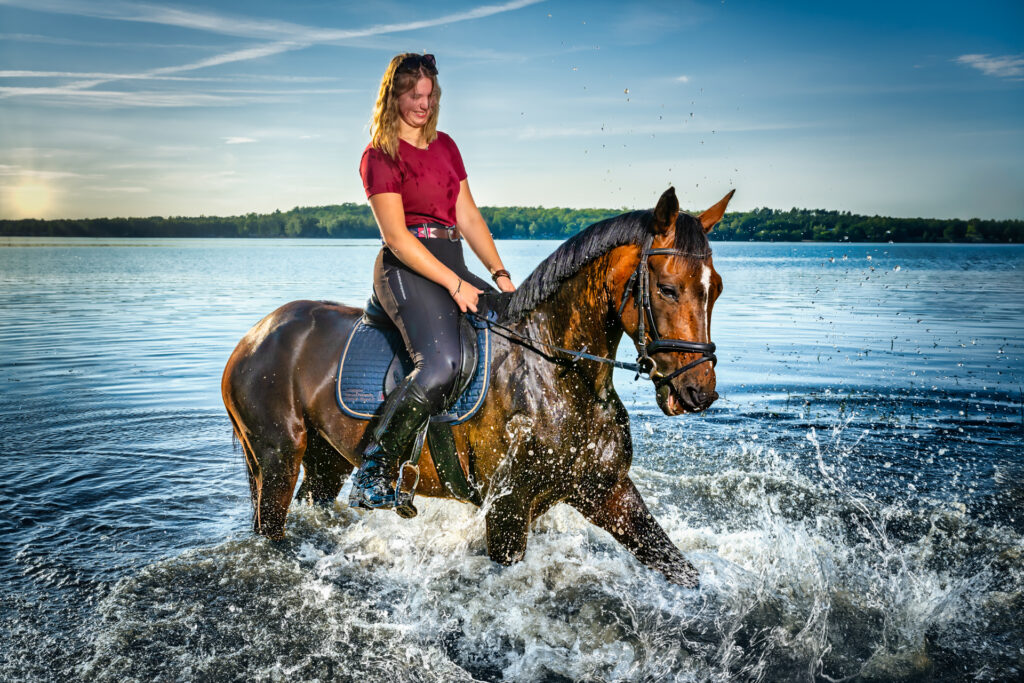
(367, 356)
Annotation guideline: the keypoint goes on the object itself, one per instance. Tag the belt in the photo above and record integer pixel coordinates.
(435, 230)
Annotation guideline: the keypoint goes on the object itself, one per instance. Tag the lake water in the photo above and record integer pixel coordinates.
(853, 501)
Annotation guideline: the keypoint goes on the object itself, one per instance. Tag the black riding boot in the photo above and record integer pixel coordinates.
(406, 412)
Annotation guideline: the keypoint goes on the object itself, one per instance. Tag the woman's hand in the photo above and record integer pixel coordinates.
(504, 283)
(465, 295)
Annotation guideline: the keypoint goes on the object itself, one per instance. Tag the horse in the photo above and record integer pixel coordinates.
(547, 433)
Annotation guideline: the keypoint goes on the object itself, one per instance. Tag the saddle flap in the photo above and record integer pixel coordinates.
(401, 365)
(468, 357)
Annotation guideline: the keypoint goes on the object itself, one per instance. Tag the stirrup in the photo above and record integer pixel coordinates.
(403, 499)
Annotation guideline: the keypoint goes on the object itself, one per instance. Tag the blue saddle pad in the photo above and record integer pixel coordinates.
(367, 356)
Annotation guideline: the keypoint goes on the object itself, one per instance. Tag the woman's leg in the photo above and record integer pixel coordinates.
(428, 319)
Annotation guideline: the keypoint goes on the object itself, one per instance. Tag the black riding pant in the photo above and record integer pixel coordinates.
(426, 315)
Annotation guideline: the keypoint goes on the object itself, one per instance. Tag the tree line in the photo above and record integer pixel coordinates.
(517, 222)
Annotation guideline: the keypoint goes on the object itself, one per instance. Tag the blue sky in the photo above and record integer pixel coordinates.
(113, 108)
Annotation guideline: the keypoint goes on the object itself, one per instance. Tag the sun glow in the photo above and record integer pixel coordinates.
(29, 198)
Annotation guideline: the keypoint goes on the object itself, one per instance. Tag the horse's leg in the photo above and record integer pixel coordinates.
(508, 525)
(621, 512)
(324, 470)
(274, 475)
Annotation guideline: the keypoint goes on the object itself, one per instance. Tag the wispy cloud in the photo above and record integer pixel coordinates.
(695, 127)
(238, 140)
(53, 40)
(21, 172)
(246, 78)
(127, 189)
(1006, 66)
(106, 99)
(296, 37)
(246, 27)
(682, 79)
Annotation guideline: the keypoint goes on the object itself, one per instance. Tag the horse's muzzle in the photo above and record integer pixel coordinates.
(690, 398)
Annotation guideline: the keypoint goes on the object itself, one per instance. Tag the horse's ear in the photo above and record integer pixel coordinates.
(710, 217)
(666, 212)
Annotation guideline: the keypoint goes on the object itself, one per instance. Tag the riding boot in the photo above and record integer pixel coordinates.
(406, 412)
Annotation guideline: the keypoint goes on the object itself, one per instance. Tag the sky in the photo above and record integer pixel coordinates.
(116, 108)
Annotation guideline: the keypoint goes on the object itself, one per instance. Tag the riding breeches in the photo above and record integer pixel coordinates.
(427, 316)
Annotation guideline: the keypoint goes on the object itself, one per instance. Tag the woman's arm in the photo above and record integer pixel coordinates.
(478, 235)
(390, 215)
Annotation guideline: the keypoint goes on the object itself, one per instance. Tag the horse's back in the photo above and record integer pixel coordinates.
(287, 354)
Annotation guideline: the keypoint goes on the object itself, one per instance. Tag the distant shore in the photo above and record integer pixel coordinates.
(356, 221)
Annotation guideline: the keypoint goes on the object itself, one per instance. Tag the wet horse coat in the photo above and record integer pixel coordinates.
(545, 433)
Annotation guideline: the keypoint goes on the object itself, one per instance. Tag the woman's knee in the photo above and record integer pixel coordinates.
(437, 376)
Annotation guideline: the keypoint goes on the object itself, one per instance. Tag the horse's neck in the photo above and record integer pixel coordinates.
(578, 317)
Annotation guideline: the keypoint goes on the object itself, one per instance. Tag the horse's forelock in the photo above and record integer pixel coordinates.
(690, 239)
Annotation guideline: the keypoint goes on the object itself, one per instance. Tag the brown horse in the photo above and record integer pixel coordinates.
(546, 433)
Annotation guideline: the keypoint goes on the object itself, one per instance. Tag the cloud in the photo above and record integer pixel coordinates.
(238, 140)
(245, 78)
(682, 79)
(297, 36)
(690, 127)
(34, 38)
(128, 189)
(117, 98)
(18, 171)
(1007, 66)
(245, 27)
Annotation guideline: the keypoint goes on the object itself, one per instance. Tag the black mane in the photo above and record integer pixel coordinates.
(594, 241)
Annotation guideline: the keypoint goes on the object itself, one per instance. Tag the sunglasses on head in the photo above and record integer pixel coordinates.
(416, 62)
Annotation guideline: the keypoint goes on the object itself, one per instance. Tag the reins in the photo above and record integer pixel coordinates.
(644, 365)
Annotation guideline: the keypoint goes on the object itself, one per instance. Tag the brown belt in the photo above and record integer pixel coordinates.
(435, 230)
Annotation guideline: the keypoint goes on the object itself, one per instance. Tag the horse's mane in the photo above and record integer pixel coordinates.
(594, 241)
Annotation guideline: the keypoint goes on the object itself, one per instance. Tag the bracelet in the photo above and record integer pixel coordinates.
(457, 288)
(500, 273)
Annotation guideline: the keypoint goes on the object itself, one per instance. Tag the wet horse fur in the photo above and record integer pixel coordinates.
(546, 433)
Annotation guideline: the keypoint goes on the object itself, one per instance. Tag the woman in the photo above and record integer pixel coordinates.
(416, 184)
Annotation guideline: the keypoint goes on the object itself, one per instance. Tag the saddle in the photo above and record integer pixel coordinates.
(374, 361)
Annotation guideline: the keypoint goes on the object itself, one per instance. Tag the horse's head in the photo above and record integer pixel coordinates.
(681, 289)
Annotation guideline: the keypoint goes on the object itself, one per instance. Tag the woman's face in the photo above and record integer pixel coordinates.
(414, 105)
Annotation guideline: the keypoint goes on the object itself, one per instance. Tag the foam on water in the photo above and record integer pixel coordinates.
(803, 577)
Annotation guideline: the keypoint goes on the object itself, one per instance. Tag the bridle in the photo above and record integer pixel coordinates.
(644, 365)
(640, 281)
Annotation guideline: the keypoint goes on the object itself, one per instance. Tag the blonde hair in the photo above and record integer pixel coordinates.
(394, 84)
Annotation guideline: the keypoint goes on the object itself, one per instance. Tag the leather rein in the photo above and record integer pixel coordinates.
(641, 282)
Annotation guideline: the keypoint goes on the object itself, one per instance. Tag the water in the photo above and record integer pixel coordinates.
(853, 501)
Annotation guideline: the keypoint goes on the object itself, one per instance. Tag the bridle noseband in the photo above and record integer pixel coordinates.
(640, 281)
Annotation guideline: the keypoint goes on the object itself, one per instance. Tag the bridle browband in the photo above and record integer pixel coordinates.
(644, 365)
(640, 281)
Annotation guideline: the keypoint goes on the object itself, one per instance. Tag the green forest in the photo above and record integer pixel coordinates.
(517, 222)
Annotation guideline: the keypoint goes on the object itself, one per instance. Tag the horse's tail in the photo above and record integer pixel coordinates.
(252, 466)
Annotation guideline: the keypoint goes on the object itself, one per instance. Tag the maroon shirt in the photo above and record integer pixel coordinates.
(428, 179)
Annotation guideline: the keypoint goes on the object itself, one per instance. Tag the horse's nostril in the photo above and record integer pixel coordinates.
(698, 398)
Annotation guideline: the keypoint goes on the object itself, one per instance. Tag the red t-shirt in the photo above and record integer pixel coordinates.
(428, 179)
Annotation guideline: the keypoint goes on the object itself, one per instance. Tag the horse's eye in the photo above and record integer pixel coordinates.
(669, 292)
